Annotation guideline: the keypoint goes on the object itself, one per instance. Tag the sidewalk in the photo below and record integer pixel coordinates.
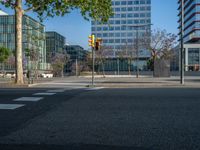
(110, 82)
(148, 82)
(9, 82)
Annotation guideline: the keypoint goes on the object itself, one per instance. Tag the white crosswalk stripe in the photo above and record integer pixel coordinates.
(29, 99)
(10, 106)
(95, 88)
(44, 94)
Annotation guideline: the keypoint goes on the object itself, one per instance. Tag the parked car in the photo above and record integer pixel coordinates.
(1, 75)
(8, 75)
(47, 75)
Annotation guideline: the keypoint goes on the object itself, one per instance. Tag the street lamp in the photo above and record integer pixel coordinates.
(182, 45)
(137, 43)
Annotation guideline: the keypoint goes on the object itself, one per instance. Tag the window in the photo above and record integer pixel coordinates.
(117, 28)
(193, 56)
(123, 2)
(130, 9)
(117, 3)
(123, 15)
(123, 9)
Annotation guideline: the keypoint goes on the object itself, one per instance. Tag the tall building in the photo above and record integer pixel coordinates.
(33, 35)
(191, 36)
(55, 43)
(120, 31)
(76, 53)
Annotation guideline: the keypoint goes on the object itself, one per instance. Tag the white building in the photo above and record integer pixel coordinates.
(120, 32)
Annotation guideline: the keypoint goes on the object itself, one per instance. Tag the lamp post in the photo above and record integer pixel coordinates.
(137, 43)
(182, 45)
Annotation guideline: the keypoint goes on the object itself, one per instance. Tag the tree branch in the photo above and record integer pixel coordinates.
(31, 8)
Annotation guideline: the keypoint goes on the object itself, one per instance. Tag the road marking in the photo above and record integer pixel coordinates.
(10, 106)
(95, 88)
(29, 99)
(44, 94)
(56, 91)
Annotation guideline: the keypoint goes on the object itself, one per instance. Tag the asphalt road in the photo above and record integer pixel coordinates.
(102, 119)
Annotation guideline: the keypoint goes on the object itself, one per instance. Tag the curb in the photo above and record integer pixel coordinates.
(8, 85)
(147, 86)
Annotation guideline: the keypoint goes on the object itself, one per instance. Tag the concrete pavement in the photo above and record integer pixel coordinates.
(119, 82)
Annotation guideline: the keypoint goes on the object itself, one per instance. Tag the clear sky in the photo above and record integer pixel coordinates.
(76, 29)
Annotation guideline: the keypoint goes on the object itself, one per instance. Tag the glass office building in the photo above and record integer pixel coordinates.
(55, 42)
(191, 35)
(76, 53)
(33, 36)
(120, 32)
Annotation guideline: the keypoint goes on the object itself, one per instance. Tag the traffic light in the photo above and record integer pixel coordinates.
(98, 44)
(91, 41)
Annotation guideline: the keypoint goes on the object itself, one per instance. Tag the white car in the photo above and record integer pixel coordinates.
(1, 75)
(47, 75)
(8, 75)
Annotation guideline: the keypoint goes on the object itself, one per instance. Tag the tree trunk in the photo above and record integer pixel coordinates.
(18, 42)
(154, 59)
(129, 67)
(62, 73)
(3, 68)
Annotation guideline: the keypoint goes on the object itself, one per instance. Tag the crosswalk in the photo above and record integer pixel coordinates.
(44, 94)
(10, 106)
(29, 99)
(35, 97)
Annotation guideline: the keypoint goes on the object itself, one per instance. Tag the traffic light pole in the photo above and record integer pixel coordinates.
(93, 61)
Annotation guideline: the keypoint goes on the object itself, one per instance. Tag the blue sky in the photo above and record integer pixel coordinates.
(76, 29)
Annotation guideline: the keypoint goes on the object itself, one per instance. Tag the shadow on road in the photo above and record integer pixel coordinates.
(67, 147)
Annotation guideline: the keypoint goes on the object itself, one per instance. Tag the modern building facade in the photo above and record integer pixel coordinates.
(120, 32)
(76, 53)
(191, 36)
(123, 32)
(33, 34)
(55, 43)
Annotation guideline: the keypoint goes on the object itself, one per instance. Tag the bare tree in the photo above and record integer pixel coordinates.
(102, 55)
(11, 61)
(162, 44)
(81, 66)
(58, 62)
(33, 56)
(32, 52)
(128, 52)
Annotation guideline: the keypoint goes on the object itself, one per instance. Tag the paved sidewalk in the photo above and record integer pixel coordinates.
(146, 81)
(113, 82)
